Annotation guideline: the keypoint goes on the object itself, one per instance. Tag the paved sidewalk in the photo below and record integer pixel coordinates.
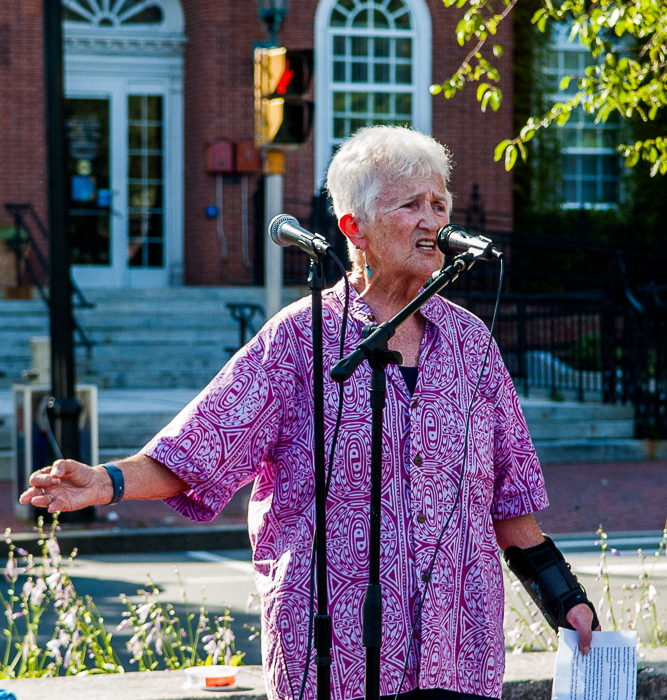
(132, 514)
(628, 496)
(620, 496)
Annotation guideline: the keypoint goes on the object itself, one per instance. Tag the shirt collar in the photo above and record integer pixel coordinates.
(434, 310)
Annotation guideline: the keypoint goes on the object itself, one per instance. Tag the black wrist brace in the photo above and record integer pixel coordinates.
(549, 581)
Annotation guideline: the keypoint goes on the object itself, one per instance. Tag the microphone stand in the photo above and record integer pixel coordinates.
(374, 349)
(323, 633)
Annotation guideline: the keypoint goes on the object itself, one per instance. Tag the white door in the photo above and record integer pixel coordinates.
(123, 83)
(118, 185)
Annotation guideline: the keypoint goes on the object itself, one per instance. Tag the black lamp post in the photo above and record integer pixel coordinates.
(63, 407)
(272, 13)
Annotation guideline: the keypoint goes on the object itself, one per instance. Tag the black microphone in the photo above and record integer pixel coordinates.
(285, 230)
(454, 240)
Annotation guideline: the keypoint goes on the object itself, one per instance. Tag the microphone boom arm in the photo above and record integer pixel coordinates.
(346, 367)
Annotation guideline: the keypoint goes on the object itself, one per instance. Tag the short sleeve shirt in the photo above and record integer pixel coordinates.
(255, 421)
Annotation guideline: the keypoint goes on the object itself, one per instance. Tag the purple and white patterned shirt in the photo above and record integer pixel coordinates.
(255, 421)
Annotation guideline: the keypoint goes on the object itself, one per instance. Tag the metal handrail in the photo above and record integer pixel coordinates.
(20, 213)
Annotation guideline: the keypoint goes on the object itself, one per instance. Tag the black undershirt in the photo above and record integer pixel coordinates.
(410, 377)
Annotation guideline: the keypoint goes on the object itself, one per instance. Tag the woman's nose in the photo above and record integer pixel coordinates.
(434, 220)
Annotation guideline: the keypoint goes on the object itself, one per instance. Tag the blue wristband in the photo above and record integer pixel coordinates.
(118, 482)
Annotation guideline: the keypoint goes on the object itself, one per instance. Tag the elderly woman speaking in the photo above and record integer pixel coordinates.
(255, 421)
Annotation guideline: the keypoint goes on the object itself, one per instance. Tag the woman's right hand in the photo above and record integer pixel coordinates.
(68, 485)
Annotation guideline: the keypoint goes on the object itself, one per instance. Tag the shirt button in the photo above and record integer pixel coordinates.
(414, 404)
(425, 577)
(421, 518)
(418, 460)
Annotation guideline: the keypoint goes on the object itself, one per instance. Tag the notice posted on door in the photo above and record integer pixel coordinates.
(607, 672)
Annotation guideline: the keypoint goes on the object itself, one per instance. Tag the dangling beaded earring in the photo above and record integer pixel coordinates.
(368, 269)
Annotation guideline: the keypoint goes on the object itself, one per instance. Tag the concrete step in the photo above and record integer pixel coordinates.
(160, 338)
(582, 430)
(128, 418)
(555, 451)
(536, 410)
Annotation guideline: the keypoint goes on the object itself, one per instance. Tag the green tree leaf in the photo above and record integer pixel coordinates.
(500, 149)
(510, 157)
(481, 90)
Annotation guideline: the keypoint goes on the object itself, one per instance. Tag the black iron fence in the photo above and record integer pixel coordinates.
(550, 342)
(634, 352)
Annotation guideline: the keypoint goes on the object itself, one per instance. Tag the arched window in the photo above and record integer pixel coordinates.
(121, 13)
(590, 172)
(374, 67)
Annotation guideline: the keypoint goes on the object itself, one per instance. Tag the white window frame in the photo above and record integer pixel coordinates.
(324, 87)
(561, 46)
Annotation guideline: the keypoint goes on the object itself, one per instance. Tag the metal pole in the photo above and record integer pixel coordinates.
(63, 406)
(274, 168)
(323, 630)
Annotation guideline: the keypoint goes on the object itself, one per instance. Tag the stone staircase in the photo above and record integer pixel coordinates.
(155, 349)
(143, 338)
(562, 432)
(569, 431)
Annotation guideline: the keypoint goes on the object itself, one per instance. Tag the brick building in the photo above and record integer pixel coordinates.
(152, 84)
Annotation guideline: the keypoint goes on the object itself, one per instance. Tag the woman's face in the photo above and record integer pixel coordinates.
(401, 240)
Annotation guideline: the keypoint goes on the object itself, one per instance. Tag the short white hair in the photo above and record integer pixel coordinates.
(379, 155)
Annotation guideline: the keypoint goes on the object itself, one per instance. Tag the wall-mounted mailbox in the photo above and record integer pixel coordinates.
(247, 157)
(220, 157)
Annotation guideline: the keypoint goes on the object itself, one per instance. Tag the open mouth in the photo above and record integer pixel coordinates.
(426, 244)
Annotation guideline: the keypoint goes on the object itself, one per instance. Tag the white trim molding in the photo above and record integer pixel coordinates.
(115, 43)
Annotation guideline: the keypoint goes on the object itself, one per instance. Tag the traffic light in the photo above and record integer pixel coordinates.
(283, 117)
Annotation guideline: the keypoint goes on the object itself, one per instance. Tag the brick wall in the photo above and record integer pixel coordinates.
(218, 98)
(22, 130)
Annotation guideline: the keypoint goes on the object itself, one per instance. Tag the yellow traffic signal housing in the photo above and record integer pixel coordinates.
(282, 117)
(269, 69)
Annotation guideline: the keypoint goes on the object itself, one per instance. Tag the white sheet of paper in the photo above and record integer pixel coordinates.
(608, 672)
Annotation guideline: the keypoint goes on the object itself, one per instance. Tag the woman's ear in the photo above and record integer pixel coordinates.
(350, 228)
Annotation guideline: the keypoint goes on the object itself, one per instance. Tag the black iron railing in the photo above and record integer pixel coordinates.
(549, 343)
(634, 333)
(244, 315)
(31, 241)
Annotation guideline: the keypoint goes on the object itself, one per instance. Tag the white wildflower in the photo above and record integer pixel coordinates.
(69, 620)
(124, 624)
(53, 549)
(52, 580)
(37, 594)
(54, 650)
(10, 568)
(27, 588)
(143, 610)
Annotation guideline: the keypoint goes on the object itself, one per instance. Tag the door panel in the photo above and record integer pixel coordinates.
(89, 193)
(117, 169)
(145, 181)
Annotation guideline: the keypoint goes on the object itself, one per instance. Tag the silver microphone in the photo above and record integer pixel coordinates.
(454, 240)
(285, 230)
